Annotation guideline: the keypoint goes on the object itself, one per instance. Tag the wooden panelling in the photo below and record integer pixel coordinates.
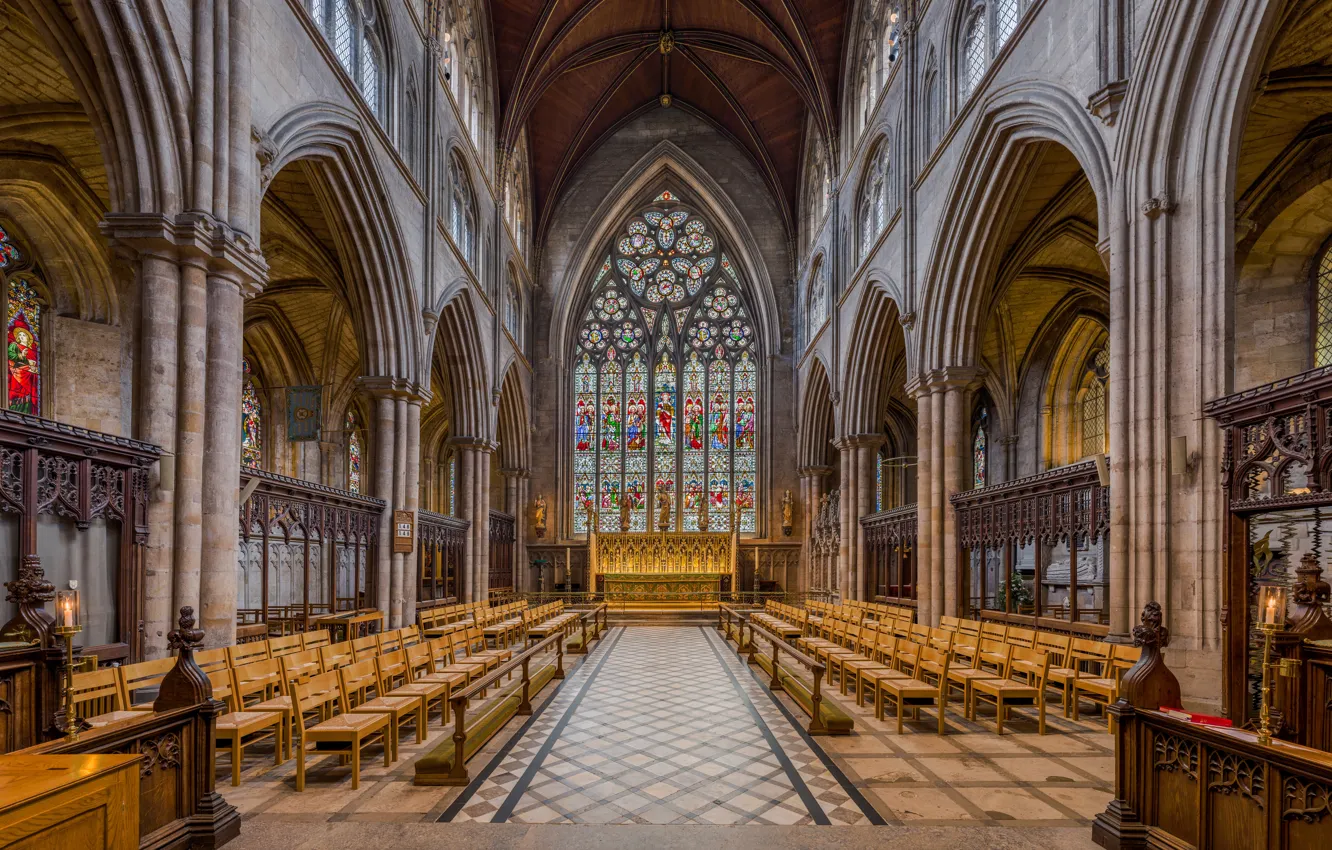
(69, 803)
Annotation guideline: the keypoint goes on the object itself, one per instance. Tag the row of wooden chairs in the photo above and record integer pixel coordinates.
(858, 611)
(1016, 669)
(444, 615)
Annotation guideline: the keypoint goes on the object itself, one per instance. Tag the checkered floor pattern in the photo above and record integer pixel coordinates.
(661, 726)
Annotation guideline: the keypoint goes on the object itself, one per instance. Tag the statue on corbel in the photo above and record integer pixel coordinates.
(539, 515)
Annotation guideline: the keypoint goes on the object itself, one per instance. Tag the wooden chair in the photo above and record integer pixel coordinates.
(244, 653)
(259, 686)
(994, 655)
(444, 658)
(970, 628)
(315, 640)
(1025, 638)
(335, 655)
(421, 668)
(963, 675)
(476, 647)
(941, 640)
(238, 728)
(388, 642)
(99, 697)
(1104, 690)
(993, 631)
(360, 681)
(928, 687)
(395, 680)
(1006, 693)
(907, 656)
(300, 666)
(1088, 658)
(1054, 645)
(365, 647)
(964, 650)
(212, 659)
(141, 676)
(285, 645)
(411, 636)
(345, 734)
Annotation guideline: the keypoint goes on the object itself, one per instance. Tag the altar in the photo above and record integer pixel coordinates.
(663, 567)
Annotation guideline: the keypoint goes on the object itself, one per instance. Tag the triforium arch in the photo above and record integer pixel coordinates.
(669, 379)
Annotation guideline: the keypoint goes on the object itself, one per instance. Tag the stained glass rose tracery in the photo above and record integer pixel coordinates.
(665, 399)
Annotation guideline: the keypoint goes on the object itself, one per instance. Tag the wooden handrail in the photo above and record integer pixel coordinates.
(816, 724)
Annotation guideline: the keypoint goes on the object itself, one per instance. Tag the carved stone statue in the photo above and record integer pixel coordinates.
(788, 513)
(539, 515)
(702, 513)
(1310, 593)
(663, 512)
(626, 518)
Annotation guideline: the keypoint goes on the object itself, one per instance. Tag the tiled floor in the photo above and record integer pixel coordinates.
(667, 725)
(662, 725)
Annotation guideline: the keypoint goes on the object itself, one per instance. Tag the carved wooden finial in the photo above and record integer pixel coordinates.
(185, 684)
(30, 591)
(1307, 616)
(1149, 683)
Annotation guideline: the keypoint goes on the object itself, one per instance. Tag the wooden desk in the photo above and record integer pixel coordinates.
(349, 624)
(69, 802)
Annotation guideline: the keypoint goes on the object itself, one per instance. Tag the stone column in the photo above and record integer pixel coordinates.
(467, 497)
(385, 434)
(155, 422)
(522, 570)
(846, 505)
(398, 502)
(955, 445)
(924, 503)
(866, 446)
(513, 505)
(937, 506)
(221, 462)
(191, 378)
(411, 575)
(482, 521)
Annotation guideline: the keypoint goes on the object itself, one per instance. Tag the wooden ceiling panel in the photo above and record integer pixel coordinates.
(757, 69)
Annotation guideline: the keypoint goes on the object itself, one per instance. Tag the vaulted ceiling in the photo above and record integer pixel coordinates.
(574, 71)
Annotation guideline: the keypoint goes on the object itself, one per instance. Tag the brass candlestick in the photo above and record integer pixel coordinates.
(1271, 619)
(69, 622)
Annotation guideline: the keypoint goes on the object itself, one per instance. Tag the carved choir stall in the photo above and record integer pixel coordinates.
(1034, 551)
(890, 555)
(1277, 476)
(1183, 783)
(664, 567)
(306, 550)
(503, 539)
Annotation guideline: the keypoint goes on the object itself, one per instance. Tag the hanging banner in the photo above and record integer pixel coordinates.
(303, 413)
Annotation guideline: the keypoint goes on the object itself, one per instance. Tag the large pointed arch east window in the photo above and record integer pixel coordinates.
(666, 382)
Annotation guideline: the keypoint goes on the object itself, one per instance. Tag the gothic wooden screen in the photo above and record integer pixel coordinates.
(502, 539)
(54, 477)
(305, 549)
(441, 547)
(890, 554)
(1021, 540)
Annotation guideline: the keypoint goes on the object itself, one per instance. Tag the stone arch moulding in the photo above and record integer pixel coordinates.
(512, 422)
(460, 341)
(961, 258)
(817, 417)
(381, 290)
(665, 166)
(877, 311)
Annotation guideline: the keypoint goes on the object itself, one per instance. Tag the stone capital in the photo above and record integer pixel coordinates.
(383, 386)
(475, 444)
(950, 378)
(856, 441)
(191, 237)
(515, 473)
(814, 471)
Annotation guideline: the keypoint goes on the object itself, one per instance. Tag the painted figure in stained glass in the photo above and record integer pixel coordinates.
(610, 424)
(24, 348)
(718, 427)
(251, 419)
(693, 424)
(744, 422)
(635, 425)
(583, 425)
(666, 417)
(353, 453)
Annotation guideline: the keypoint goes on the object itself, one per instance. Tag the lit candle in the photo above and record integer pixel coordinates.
(1270, 615)
(68, 616)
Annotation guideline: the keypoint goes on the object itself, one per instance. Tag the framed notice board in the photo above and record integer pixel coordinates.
(404, 532)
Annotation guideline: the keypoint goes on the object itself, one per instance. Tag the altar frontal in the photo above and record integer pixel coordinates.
(669, 567)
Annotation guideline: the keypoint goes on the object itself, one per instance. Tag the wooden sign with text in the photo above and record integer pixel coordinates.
(404, 532)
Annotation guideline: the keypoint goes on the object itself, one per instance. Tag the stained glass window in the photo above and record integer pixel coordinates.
(353, 452)
(1093, 404)
(453, 485)
(252, 419)
(1323, 294)
(23, 338)
(666, 382)
(878, 481)
(980, 448)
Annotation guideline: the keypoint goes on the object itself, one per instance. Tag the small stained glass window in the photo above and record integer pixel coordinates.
(24, 343)
(1323, 332)
(975, 54)
(353, 452)
(1093, 404)
(252, 417)
(980, 449)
